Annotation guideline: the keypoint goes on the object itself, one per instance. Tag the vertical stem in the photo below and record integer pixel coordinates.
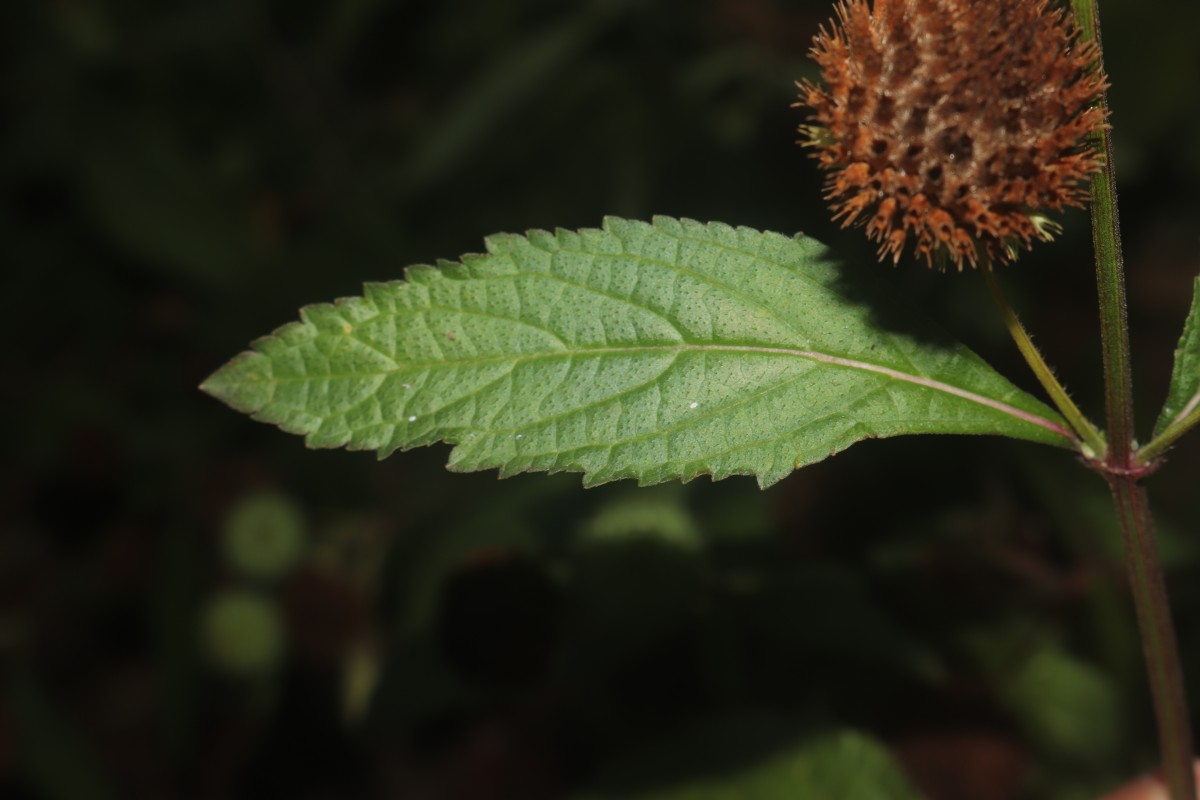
(1158, 635)
(1110, 278)
(1145, 568)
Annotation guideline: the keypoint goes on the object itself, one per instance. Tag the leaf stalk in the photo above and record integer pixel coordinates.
(1156, 447)
(1092, 439)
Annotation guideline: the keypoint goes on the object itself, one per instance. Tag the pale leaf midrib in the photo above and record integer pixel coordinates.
(807, 355)
(1191, 407)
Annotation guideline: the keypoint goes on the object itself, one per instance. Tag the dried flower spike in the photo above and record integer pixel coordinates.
(956, 121)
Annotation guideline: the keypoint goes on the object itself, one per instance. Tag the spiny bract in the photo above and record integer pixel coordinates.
(955, 121)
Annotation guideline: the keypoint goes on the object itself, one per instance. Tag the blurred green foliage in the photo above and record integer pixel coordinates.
(175, 177)
(837, 766)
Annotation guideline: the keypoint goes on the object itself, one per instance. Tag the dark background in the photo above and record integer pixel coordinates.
(177, 178)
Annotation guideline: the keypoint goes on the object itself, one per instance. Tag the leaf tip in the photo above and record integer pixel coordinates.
(244, 383)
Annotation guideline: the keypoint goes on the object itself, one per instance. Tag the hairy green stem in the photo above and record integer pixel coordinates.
(1158, 635)
(1110, 280)
(1081, 425)
(1123, 473)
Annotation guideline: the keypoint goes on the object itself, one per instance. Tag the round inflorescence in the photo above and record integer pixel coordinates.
(957, 122)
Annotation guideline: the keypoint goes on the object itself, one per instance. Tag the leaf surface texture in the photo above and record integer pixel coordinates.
(640, 350)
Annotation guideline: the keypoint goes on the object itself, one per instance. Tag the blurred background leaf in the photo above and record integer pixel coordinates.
(835, 766)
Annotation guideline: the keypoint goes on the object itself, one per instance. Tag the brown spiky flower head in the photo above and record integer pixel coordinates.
(956, 122)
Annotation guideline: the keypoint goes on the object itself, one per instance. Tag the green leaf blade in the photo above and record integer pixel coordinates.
(1183, 398)
(646, 351)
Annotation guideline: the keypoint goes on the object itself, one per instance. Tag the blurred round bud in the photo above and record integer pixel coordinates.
(242, 633)
(264, 536)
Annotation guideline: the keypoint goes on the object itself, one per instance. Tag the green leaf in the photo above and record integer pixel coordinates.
(837, 766)
(1183, 398)
(647, 351)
